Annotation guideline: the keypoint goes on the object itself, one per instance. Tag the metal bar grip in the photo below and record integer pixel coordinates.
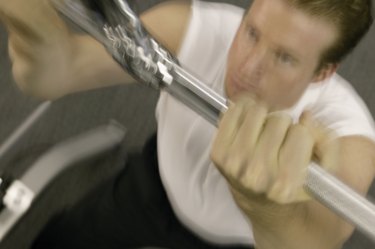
(164, 72)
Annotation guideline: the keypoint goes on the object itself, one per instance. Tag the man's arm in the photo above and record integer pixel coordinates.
(264, 158)
(50, 61)
(311, 225)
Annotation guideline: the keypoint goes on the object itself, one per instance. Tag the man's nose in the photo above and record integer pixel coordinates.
(255, 62)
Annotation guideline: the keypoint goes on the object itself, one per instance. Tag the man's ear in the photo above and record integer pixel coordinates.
(325, 72)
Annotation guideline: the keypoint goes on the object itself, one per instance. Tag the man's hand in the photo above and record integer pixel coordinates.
(262, 153)
(264, 157)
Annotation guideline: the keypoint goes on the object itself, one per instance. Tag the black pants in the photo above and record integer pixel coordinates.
(129, 211)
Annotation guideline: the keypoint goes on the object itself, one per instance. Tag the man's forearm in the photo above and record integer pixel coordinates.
(308, 226)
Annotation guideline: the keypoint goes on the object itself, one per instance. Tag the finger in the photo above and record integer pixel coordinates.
(263, 167)
(227, 130)
(294, 158)
(244, 144)
(326, 148)
(226, 154)
(254, 118)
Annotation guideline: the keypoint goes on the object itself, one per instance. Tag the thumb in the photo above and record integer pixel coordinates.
(326, 147)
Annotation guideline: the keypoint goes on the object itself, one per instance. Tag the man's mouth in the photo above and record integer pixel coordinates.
(239, 85)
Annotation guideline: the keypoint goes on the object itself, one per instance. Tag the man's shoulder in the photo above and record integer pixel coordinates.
(223, 16)
(218, 7)
(170, 20)
(337, 87)
(167, 22)
(341, 109)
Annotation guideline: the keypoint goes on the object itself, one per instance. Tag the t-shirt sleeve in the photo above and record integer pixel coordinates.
(341, 109)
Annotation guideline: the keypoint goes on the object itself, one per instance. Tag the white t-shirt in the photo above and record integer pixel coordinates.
(198, 193)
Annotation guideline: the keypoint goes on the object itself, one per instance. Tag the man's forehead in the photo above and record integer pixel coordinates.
(288, 27)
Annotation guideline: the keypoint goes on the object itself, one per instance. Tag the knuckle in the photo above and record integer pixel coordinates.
(305, 132)
(255, 115)
(218, 158)
(262, 107)
(280, 193)
(280, 117)
(255, 178)
(278, 124)
(231, 107)
(228, 162)
(300, 133)
(215, 157)
(246, 99)
(218, 154)
(234, 167)
(298, 130)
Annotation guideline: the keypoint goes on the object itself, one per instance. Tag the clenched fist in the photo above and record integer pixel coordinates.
(264, 156)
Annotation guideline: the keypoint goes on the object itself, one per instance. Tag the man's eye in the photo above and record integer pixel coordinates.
(284, 58)
(253, 34)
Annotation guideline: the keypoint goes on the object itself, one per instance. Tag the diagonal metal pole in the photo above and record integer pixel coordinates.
(23, 127)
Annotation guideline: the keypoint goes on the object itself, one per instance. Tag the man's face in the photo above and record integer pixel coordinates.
(276, 53)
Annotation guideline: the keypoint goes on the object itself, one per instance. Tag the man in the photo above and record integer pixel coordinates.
(279, 73)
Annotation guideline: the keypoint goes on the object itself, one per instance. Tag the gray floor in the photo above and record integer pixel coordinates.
(131, 105)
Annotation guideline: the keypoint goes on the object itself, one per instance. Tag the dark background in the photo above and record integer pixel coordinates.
(131, 105)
